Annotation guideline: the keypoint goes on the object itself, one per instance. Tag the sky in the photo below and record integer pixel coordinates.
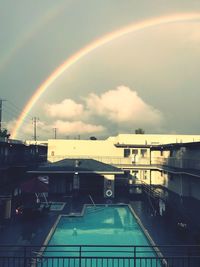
(144, 79)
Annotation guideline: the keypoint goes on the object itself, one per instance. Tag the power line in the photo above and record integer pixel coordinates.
(10, 115)
(17, 109)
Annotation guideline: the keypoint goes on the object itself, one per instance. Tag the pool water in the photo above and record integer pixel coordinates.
(111, 225)
(101, 225)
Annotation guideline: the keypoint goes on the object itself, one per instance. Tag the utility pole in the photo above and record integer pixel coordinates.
(35, 120)
(55, 133)
(1, 111)
(1, 101)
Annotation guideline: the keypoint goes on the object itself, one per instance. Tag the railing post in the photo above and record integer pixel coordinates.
(80, 251)
(134, 259)
(25, 255)
(188, 255)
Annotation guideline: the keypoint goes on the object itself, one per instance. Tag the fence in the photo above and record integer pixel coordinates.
(99, 256)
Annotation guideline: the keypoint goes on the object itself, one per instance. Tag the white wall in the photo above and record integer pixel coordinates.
(59, 149)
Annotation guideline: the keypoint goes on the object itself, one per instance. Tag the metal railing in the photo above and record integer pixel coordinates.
(90, 197)
(182, 163)
(99, 256)
(21, 159)
(153, 191)
(187, 163)
(116, 161)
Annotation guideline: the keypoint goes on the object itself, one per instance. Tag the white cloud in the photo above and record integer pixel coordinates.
(26, 129)
(115, 109)
(195, 35)
(68, 108)
(77, 127)
(11, 125)
(122, 105)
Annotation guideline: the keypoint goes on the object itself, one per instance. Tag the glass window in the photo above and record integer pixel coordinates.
(135, 151)
(143, 152)
(126, 153)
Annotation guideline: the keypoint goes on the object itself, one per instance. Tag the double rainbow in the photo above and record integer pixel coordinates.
(134, 27)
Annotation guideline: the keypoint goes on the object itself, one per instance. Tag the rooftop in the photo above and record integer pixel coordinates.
(76, 165)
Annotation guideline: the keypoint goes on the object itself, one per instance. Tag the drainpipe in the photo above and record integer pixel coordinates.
(150, 156)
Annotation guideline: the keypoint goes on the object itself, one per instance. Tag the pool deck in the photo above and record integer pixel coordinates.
(34, 230)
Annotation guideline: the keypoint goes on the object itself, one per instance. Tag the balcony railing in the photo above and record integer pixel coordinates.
(183, 163)
(187, 163)
(99, 256)
(21, 161)
(116, 161)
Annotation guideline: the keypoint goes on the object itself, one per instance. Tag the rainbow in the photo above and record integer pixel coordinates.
(33, 30)
(134, 27)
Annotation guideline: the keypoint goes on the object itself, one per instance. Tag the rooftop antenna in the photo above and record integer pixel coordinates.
(55, 133)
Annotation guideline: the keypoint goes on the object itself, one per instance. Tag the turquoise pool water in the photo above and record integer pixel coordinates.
(111, 225)
(101, 225)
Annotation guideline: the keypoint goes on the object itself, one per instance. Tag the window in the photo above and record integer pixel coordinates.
(134, 151)
(143, 152)
(126, 153)
(135, 174)
(145, 175)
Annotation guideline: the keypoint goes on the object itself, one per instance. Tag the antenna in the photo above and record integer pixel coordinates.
(55, 133)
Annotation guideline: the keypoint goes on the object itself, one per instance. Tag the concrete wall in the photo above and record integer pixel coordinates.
(59, 149)
(159, 157)
(158, 178)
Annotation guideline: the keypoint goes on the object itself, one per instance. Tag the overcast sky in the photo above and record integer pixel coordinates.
(148, 79)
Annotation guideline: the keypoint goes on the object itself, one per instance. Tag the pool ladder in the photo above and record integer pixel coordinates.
(37, 259)
(92, 201)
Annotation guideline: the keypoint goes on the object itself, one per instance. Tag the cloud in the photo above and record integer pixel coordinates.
(122, 105)
(68, 109)
(77, 127)
(195, 35)
(26, 130)
(113, 111)
(44, 130)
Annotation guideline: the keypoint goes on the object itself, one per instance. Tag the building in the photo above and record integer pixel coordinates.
(15, 158)
(166, 167)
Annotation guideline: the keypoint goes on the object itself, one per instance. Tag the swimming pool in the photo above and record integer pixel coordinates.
(102, 227)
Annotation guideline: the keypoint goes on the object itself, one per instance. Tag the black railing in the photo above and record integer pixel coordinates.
(17, 159)
(99, 256)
